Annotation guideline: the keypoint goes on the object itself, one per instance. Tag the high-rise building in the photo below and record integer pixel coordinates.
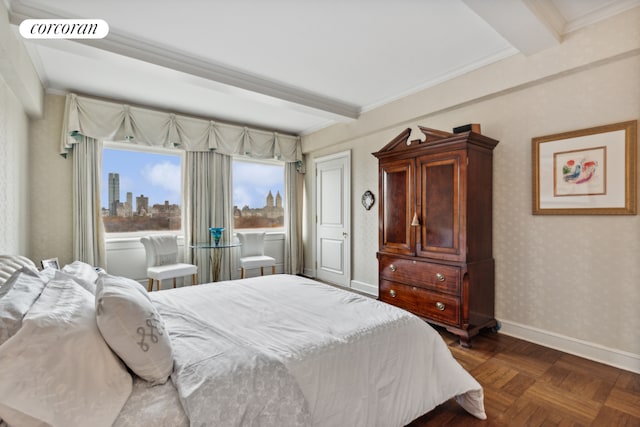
(114, 193)
(129, 204)
(142, 205)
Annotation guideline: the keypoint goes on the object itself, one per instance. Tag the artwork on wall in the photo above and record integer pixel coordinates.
(368, 199)
(586, 172)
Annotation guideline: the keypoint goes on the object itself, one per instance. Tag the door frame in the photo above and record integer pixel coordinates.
(346, 214)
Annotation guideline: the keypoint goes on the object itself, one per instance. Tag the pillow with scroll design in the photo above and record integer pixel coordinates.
(133, 328)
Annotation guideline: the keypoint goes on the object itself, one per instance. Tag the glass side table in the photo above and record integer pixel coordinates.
(216, 255)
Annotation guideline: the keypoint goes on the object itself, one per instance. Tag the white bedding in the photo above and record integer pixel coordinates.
(358, 362)
(343, 359)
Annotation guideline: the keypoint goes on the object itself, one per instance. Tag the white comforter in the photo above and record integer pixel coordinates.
(356, 361)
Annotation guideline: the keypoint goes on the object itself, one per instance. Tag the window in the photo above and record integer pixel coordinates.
(141, 189)
(258, 194)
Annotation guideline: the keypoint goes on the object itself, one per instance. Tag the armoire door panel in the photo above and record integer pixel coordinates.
(397, 207)
(440, 203)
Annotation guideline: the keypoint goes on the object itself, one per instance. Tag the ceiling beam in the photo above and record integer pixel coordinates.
(120, 44)
(530, 26)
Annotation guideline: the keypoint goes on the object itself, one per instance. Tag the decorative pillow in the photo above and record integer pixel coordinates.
(133, 328)
(83, 271)
(86, 285)
(17, 296)
(57, 370)
(10, 263)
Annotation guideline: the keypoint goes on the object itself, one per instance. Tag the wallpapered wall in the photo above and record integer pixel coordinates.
(14, 178)
(574, 276)
(51, 186)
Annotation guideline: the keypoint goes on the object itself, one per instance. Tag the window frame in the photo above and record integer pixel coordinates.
(135, 235)
(273, 162)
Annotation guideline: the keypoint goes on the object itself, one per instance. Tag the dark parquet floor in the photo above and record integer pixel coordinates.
(530, 385)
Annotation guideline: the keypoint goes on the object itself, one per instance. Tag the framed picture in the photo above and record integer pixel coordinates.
(51, 262)
(586, 172)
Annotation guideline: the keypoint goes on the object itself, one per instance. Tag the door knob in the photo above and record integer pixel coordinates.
(344, 234)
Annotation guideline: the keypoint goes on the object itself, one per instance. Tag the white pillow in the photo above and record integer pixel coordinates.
(86, 285)
(133, 328)
(82, 270)
(17, 296)
(57, 370)
(10, 263)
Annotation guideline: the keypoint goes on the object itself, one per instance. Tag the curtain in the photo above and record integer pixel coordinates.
(88, 230)
(209, 203)
(293, 184)
(110, 121)
(209, 146)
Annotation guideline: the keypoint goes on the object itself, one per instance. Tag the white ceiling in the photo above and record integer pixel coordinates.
(290, 65)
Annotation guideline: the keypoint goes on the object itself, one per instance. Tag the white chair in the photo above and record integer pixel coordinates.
(252, 253)
(162, 256)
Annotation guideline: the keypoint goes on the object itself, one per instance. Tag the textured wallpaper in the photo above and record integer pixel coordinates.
(51, 186)
(14, 210)
(577, 276)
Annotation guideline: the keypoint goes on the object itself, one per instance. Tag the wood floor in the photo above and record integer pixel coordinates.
(529, 385)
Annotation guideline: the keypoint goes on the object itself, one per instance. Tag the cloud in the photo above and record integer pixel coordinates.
(165, 176)
(252, 182)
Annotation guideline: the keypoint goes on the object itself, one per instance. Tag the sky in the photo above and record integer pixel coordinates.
(253, 181)
(158, 177)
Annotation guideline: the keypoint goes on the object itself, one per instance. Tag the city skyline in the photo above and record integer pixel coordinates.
(159, 177)
(156, 176)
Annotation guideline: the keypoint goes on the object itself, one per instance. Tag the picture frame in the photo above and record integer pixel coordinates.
(586, 172)
(51, 262)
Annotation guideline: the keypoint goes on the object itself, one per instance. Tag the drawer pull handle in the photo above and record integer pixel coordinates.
(392, 293)
(393, 267)
(440, 306)
(440, 277)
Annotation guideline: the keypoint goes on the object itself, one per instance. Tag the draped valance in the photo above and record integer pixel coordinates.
(110, 121)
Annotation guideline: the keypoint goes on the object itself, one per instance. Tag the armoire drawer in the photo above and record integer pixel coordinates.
(438, 277)
(432, 305)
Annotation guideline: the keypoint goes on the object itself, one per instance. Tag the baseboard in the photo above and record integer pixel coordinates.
(588, 350)
(365, 287)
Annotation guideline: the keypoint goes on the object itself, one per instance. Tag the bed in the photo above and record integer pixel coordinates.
(281, 350)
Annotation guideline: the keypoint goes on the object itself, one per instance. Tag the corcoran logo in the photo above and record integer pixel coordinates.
(64, 29)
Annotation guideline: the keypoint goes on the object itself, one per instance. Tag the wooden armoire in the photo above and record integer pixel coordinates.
(435, 228)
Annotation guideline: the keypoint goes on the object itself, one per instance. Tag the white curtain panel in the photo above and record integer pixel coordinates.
(110, 121)
(88, 230)
(209, 203)
(293, 255)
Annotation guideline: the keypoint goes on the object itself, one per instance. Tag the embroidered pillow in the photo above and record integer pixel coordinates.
(133, 328)
(57, 370)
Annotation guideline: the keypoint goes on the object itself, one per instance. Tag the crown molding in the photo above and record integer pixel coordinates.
(600, 14)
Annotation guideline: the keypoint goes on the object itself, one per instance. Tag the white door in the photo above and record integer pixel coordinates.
(333, 218)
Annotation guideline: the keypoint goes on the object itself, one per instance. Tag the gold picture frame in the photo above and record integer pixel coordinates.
(586, 172)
